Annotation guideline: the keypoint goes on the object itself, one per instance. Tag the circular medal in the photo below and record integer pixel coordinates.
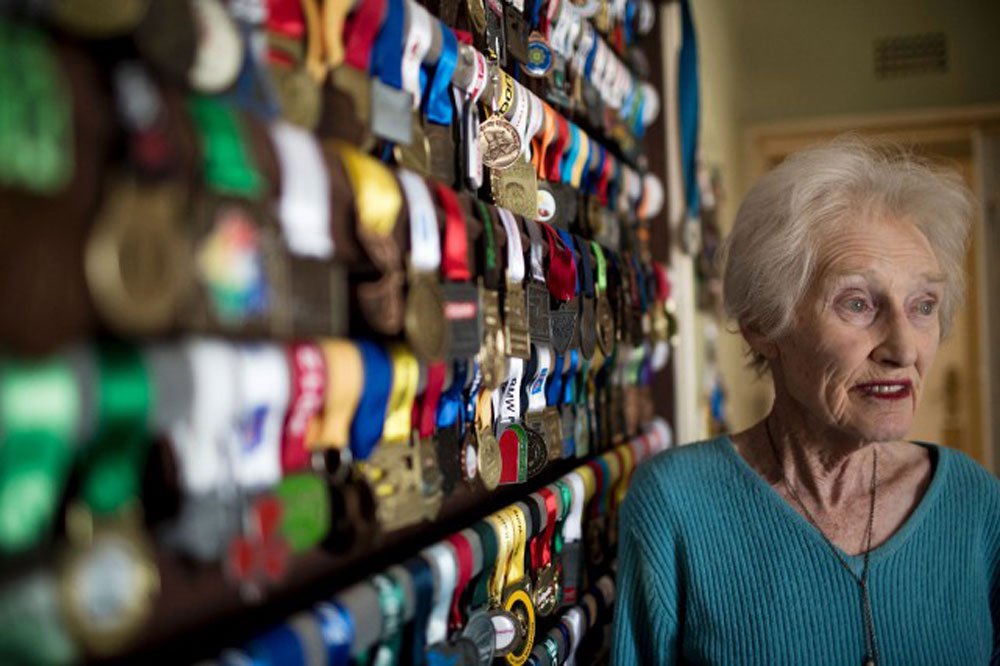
(546, 204)
(547, 590)
(519, 604)
(492, 362)
(538, 452)
(107, 588)
(539, 56)
(219, 56)
(488, 459)
(136, 259)
(99, 18)
(423, 318)
(499, 142)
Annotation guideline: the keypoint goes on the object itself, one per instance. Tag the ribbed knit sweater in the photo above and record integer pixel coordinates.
(715, 567)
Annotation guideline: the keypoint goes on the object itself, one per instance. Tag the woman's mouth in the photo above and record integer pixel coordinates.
(887, 390)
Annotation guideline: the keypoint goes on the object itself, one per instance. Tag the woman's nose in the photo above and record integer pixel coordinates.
(897, 346)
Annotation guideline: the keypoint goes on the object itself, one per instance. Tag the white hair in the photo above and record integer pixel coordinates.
(769, 259)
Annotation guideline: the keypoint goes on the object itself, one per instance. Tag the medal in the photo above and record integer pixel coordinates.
(488, 460)
(516, 188)
(588, 324)
(461, 297)
(136, 259)
(517, 600)
(491, 354)
(539, 61)
(516, 337)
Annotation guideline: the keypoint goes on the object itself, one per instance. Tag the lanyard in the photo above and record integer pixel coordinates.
(308, 369)
(562, 266)
(451, 407)
(491, 549)
(464, 559)
(438, 106)
(455, 263)
(444, 564)
(387, 61)
(542, 553)
(536, 388)
(337, 630)
(225, 159)
(369, 419)
(360, 30)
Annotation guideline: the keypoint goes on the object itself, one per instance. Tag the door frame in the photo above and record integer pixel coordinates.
(958, 131)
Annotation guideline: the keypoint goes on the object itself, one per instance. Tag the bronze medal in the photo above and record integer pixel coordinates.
(516, 188)
(539, 326)
(423, 320)
(415, 156)
(492, 362)
(488, 459)
(499, 142)
(477, 15)
(515, 322)
(298, 95)
(136, 259)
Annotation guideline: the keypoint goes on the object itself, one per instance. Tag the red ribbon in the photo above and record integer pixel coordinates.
(308, 391)
(561, 276)
(455, 262)
(432, 395)
(555, 153)
(360, 31)
(662, 282)
(602, 184)
(463, 553)
(599, 483)
(542, 551)
(285, 17)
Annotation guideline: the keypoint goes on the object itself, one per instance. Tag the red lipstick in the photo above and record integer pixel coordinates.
(890, 389)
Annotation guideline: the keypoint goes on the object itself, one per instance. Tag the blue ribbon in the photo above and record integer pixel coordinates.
(437, 102)
(567, 240)
(336, 626)
(588, 65)
(369, 418)
(423, 592)
(569, 157)
(387, 61)
(451, 407)
(587, 172)
(553, 392)
(277, 647)
(536, 14)
(630, 22)
(472, 394)
(569, 386)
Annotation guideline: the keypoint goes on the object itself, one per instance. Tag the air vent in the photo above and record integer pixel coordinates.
(911, 55)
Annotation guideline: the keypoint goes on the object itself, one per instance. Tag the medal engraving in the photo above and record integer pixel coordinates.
(488, 459)
(547, 590)
(499, 142)
(515, 321)
(538, 455)
(553, 432)
(464, 317)
(516, 188)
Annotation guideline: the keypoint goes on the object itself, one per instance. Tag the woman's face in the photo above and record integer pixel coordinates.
(866, 332)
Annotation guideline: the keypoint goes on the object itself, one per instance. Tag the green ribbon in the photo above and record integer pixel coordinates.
(36, 128)
(113, 460)
(392, 602)
(227, 165)
(602, 267)
(566, 494)
(39, 416)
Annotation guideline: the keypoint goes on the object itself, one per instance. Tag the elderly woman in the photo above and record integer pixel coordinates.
(821, 535)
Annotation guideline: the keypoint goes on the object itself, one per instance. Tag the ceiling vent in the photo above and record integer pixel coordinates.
(911, 55)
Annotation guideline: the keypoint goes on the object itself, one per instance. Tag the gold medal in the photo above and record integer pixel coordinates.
(424, 317)
(492, 363)
(515, 322)
(108, 580)
(516, 188)
(136, 259)
(488, 459)
(394, 474)
(546, 596)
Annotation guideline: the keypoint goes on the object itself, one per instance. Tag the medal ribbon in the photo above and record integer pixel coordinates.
(451, 407)
(345, 375)
(582, 160)
(569, 379)
(588, 270)
(562, 267)
(308, 384)
(536, 251)
(387, 61)
(418, 42)
(304, 206)
(455, 264)
(113, 461)
(515, 254)
(602, 267)
(425, 236)
(557, 148)
(405, 376)
(487, 533)
(491, 271)
(567, 240)
(463, 555)
(543, 542)
(472, 395)
(39, 411)
(361, 29)
(422, 578)
(445, 565)
(263, 380)
(336, 626)
(510, 402)
(536, 388)
(554, 392)
(370, 417)
(432, 395)
(225, 159)
(377, 198)
(515, 566)
(549, 129)
(504, 531)
(391, 602)
(570, 156)
(438, 107)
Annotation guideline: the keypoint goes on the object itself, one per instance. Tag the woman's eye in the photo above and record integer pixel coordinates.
(857, 305)
(927, 308)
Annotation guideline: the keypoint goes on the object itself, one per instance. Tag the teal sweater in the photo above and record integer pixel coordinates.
(716, 568)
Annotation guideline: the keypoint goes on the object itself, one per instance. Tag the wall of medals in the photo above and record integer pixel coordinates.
(327, 327)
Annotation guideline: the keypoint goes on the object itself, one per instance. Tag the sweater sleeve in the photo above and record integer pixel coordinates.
(646, 618)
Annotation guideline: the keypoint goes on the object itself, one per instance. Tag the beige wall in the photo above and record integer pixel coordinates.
(767, 61)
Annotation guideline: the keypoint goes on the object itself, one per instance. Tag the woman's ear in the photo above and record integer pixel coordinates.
(761, 344)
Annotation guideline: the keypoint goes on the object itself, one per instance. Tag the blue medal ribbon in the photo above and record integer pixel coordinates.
(423, 591)
(369, 418)
(569, 157)
(688, 109)
(437, 102)
(451, 407)
(554, 390)
(567, 240)
(569, 385)
(387, 60)
(536, 14)
(277, 647)
(586, 179)
(640, 278)
(336, 626)
(472, 393)
(588, 64)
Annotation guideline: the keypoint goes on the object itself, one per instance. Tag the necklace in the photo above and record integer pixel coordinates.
(871, 643)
